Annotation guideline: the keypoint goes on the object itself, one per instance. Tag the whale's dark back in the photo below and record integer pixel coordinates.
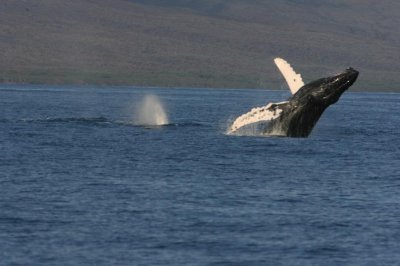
(303, 110)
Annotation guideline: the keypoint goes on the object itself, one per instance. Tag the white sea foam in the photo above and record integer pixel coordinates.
(151, 112)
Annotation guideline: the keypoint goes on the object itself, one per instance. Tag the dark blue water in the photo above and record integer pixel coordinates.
(81, 185)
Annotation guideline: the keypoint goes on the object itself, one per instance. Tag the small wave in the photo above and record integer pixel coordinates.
(69, 120)
(189, 124)
(103, 120)
(169, 125)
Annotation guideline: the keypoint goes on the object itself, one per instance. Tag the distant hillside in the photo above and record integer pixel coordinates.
(209, 43)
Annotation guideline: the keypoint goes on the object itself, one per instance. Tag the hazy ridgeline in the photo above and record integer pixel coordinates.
(198, 43)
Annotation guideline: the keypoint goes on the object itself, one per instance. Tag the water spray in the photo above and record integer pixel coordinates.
(151, 112)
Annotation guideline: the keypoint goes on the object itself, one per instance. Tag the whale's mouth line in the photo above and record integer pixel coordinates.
(344, 86)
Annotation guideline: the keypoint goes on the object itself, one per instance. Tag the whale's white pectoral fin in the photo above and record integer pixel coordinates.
(293, 79)
(258, 114)
(272, 110)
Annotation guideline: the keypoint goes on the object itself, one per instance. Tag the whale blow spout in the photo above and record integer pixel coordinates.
(151, 112)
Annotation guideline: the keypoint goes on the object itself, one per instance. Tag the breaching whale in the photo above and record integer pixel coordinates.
(297, 116)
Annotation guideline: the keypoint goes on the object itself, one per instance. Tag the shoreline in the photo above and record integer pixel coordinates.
(113, 86)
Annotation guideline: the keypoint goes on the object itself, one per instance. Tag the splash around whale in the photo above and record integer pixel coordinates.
(297, 116)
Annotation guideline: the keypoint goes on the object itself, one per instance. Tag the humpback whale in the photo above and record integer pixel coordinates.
(297, 116)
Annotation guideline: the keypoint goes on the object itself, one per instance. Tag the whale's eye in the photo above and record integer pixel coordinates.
(310, 98)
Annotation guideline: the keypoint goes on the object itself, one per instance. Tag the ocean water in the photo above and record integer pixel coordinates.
(81, 184)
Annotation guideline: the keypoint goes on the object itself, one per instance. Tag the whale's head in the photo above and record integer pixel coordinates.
(327, 91)
(305, 107)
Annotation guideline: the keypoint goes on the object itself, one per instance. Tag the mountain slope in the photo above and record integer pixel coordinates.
(206, 43)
